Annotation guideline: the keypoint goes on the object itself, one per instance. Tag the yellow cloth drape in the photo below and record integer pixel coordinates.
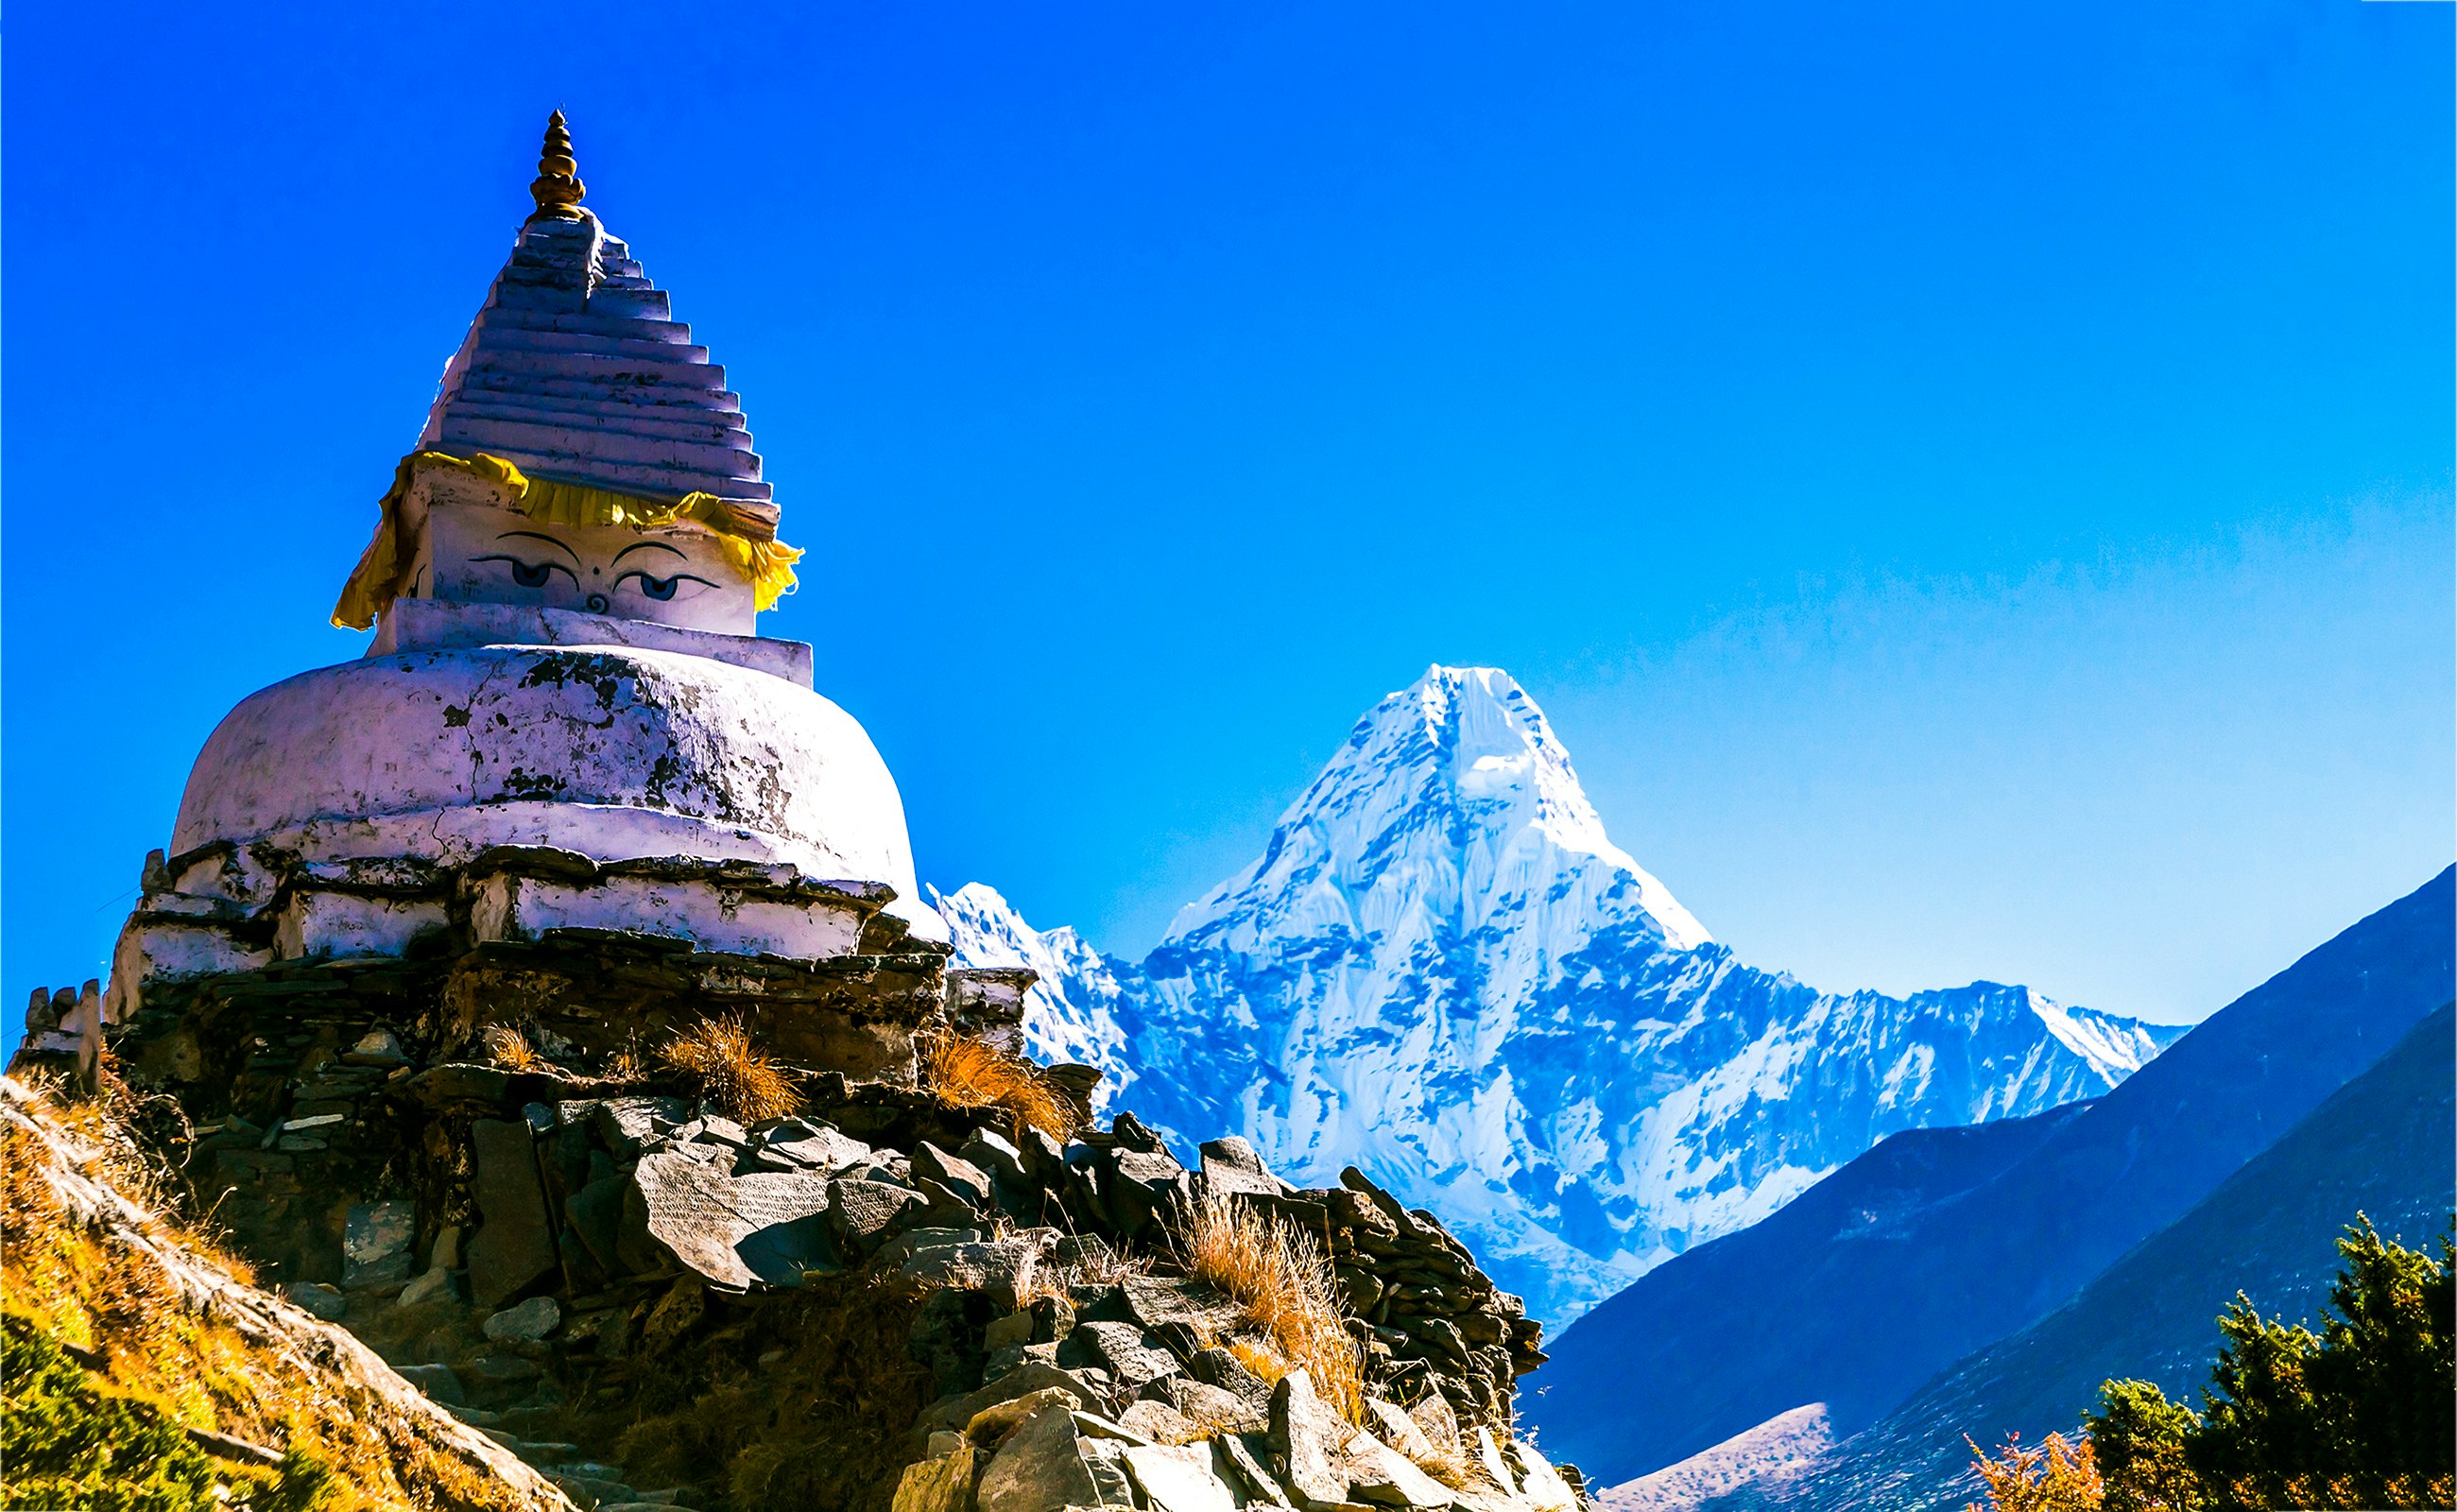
(375, 581)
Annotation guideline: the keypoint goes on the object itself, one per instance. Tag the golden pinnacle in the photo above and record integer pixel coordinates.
(558, 189)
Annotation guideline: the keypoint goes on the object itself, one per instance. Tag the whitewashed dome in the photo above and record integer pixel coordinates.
(612, 751)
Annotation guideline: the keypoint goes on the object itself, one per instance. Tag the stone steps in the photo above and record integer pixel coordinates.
(649, 303)
(592, 1483)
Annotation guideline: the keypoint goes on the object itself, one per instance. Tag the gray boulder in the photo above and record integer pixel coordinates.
(699, 1216)
(1306, 1439)
(526, 1322)
(1231, 1165)
(514, 1245)
(861, 1213)
(1046, 1464)
(322, 1301)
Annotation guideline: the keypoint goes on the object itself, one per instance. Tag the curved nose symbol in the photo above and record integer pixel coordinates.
(597, 604)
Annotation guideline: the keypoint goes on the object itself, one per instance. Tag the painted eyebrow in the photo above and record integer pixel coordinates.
(532, 535)
(646, 545)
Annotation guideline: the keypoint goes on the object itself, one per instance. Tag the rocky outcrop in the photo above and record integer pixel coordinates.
(548, 1248)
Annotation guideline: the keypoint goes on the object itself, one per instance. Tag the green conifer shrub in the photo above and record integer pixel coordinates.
(2362, 1415)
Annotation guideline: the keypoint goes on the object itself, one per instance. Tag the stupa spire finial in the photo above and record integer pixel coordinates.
(557, 190)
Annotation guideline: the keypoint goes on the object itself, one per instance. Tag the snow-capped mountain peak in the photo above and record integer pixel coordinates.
(1451, 795)
(1441, 970)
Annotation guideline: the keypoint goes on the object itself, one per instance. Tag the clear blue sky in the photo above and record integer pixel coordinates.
(1971, 483)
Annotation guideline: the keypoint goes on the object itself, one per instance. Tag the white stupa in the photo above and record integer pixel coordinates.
(566, 726)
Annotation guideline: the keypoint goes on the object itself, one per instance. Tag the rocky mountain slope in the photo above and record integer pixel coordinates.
(1442, 971)
(1930, 1246)
(2379, 1146)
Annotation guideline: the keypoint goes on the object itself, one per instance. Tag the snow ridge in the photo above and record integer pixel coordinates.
(1441, 970)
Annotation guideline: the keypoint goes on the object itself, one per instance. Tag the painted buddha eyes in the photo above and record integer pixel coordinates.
(661, 589)
(539, 574)
(530, 574)
(534, 574)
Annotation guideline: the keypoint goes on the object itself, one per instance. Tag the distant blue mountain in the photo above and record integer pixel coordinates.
(1936, 1243)
(2381, 1145)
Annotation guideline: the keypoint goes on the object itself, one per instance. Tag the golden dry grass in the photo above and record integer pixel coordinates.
(2056, 1475)
(963, 1072)
(1284, 1284)
(509, 1048)
(98, 1295)
(626, 1065)
(1448, 1463)
(733, 1074)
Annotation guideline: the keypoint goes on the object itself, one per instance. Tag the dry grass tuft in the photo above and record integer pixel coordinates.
(1285, 1285)
(1448, 1463)
(745, 1084)
(1097, 1264)
(1267, 1363)
(964, 1072)
(509, 1048)
(627, 1064)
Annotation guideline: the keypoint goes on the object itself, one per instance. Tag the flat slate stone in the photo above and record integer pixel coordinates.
(1158, 1299)
(513, 1246)
(1383, 1476)
(1032, 1375)
(624, 1124)
(1231, 1165)
(595, 1214)
(967, 1180)
(1178, 1479)
(824, 1151)
(526, 1321)
(1132, 1355)
(1306, 1437)
(1044, 1466)
(859, 1212)
(697, 1214)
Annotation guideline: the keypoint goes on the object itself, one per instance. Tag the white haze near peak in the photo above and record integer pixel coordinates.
(1441, 970)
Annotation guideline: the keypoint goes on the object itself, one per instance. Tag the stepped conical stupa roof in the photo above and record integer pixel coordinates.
(575, 369)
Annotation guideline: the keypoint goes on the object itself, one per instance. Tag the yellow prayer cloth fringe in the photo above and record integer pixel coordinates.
(377, 580)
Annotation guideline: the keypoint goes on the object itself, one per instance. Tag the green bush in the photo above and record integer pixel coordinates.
(2362, 1415)
(65, 1444)
(66, 1441)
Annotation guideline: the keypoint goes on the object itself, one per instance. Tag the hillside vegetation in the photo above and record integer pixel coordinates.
(145, 1374)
